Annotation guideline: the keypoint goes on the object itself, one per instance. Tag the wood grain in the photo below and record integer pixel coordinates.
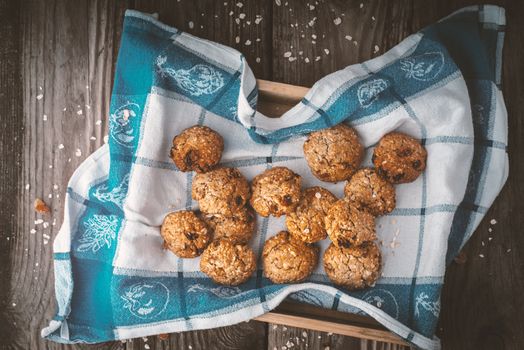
(11, 143)
(66, 68)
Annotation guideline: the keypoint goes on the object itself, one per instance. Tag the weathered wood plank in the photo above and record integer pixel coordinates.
(67, 57)
(322, 37)
(245, 335)
(11, 144)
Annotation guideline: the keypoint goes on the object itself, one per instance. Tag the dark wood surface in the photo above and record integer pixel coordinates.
(65, 51)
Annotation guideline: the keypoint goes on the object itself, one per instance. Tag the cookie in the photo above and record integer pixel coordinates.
(399, 158)
(221, 191)
(197, 148)
(287, 259)
(238, 228)
(307, 221)
(348, 225)
(228, 263)
(185, 234)
(372, 192)
(355, 267)
(275, 192)
(333, 154)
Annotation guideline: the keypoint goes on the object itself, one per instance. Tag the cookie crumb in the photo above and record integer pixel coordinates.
(493, 222)
(40, 206)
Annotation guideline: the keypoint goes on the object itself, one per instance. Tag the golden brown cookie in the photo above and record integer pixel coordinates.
(371, 192)
(333, 154)
(185, 234)
(348, 225)
(238, 228)
(275, 192)
(287, 259)
(197, 148)
(355, 267)
(228, 263)
(307, 221)
(221, 191)
(399, 158)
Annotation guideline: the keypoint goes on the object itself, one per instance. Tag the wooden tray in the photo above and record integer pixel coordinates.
(275, 99)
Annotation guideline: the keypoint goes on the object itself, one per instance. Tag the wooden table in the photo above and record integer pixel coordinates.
(56, 67)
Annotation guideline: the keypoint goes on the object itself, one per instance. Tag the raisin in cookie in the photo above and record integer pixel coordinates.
(307, 221)
(185, 234)
(399, 158)
(348, 225)
(221, 191)
(371, 192)
(228, 263)
(275, 192)
(287, 259)
(355, 267)
(197, 148)
(333, 154)
(238, 228)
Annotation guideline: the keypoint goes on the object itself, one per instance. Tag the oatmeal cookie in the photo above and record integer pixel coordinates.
(275, 192)
(371, 192)
(287, 259)
(348, 225)
(355, 267)
(307, 221)
(185, 234)
(399, 158)
(221, 191)
(228, 263)
(197, 148)
(333, 154)
(238, 228)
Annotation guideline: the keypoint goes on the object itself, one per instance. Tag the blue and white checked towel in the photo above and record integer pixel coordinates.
(113, 280)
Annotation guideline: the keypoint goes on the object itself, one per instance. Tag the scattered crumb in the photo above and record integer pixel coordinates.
(337, 21)
(490, 229)
(258, 19)
(92, 138)
(191, 25)
(304, 334)
(98, 122)
(33, 231)
(27, 186)
(508, 250)
(291, 59)
(39, 96)
(163, 336)
(78, 152)
(481, 255)
(490, 238)
(348, 37)
(284, 329)
(45, 224)
(361, 5)
(106, 140)
(257, 59)
(306, 60)
(40, 206)
(275, 326)
(372, 18)
(14, 304)
(493, 222)
(50, 166)
(377, 49)
(50, 195)
(239, 4)
(44, 117)
(317, 58)
(39, 221)
(287, 54)
(326, 51)
(147, 347)
(248, 42)
(237, 39)
(330, 334)
(242, 16)
(312, 22)
(79, 112)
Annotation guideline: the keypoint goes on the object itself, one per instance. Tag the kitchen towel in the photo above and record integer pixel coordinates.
(113, 279)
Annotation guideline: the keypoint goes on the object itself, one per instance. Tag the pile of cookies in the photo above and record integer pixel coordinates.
(222, 228)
